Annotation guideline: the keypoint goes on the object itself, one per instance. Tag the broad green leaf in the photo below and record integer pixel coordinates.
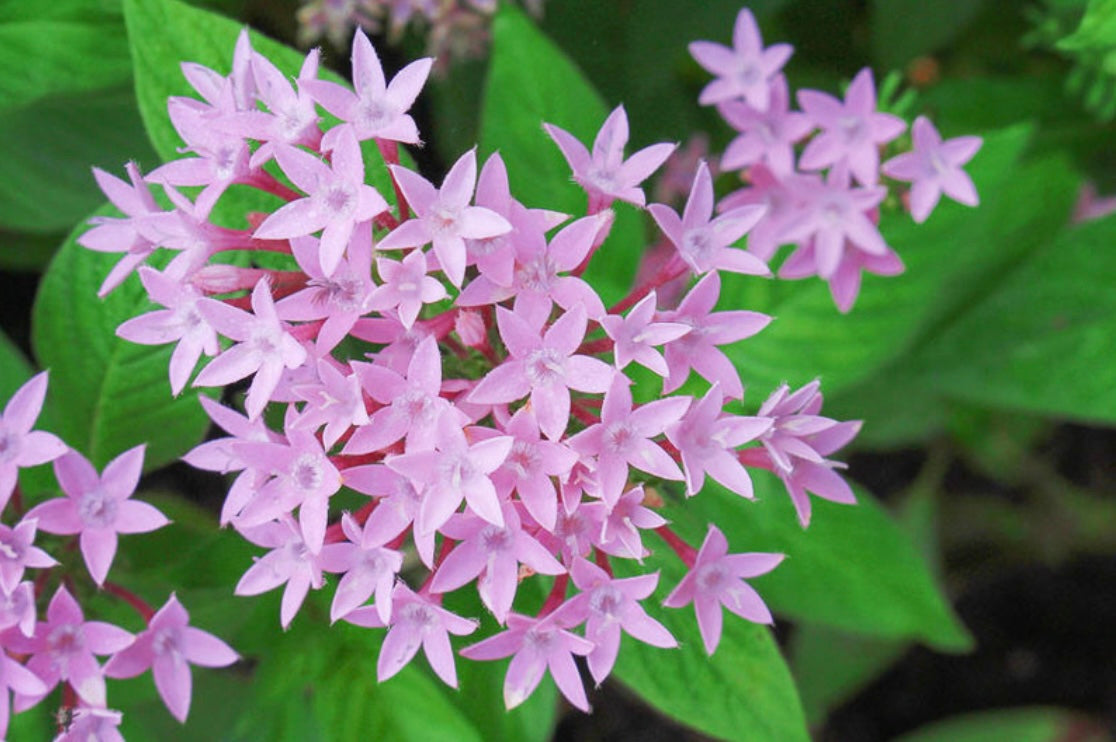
(46, 57)
(743, 692)
(531, 81)
(905, 29)
(1043, 341)
(481, 700)
(1034, 724)
(107, 394)
(854, 568)
(318, 683)
(957, 255)
(46, 183)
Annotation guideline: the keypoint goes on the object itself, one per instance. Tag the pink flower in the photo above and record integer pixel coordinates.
(545, 367)
(265, 348)
(88, 724)
(852, 131)
(63, 647)
(17, 552)
(290, 561)
(538, 644)
(765, 136)
(168, 646)
(337, 199)
(377, 109)
(635, 337)
(444, 216)
(98, 507)
(406, 287)
(607, 606)
(530, 465)
(744, 71)
(934, 168)
(367, 567)
(19, 445)
(705, 243)
(25, 683)
(717, 579)
(606, 175)
(417, 621)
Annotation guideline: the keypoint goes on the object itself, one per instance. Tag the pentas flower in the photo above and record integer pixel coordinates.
(396, 509)
(289, 562)
(852, 130)
(19, 445)
(538, 645)
(491, 555)
(443, 217)
(716, 579)
(334, 401)
(367, 567)
(934, 168)
(406, 287)
(16, 678)
(605, 174)
(620, 534)
(417, 621)
(377, 110)
(87, 724)
(844, 282)
(546, 368)
(168, 646)
(704, 242)
(18, 552)
(290, 119)
(608, 606)
(530, 466)
(264, 347)
(98, 506)
(180, 322)
(765, 136)
(337, 199)
(697, 349)
(745, 70)
(63, 648)
(17, 608)
(636, 336)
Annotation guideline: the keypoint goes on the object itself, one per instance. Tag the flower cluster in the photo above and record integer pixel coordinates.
(63, 648)
(824, 196)
(436, 349)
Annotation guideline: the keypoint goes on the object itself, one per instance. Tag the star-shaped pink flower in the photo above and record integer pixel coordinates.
(934, 168)
(744, 71)
(98, 506)
(19, 445)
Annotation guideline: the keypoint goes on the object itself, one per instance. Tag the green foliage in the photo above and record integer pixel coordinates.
(743, 692)
(531, 81)
(106, 394)
(905, 29)
(1018, 725)
(14, 368)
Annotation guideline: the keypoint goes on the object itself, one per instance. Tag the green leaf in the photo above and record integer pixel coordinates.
(905, 29)
(743, 692)
(319, 683)
(1043, 341)
(1019, 725)
(1097, 31)
(107, 394)
(854, 568)
(47, 57)
(46, 183)
(531, 81)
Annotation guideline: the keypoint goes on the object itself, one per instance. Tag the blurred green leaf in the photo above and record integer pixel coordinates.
(1097, 31)
(46, 183)
(107, 394)
(743, 692)
(531, 81)
(14, 368)
(1018, 725)
(44, 57)
(905, 29)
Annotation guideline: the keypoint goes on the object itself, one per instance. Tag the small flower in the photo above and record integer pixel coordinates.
(934, 168)
(606, 175)
(717, 579)
(17, 552)
(19, 445)
(92, 724)
(745, 70)
(168, 646)
(98, 507)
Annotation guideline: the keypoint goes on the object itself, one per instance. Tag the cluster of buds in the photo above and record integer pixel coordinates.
(444, 357)
(825, 198)
(455, 29)
(38, 655)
